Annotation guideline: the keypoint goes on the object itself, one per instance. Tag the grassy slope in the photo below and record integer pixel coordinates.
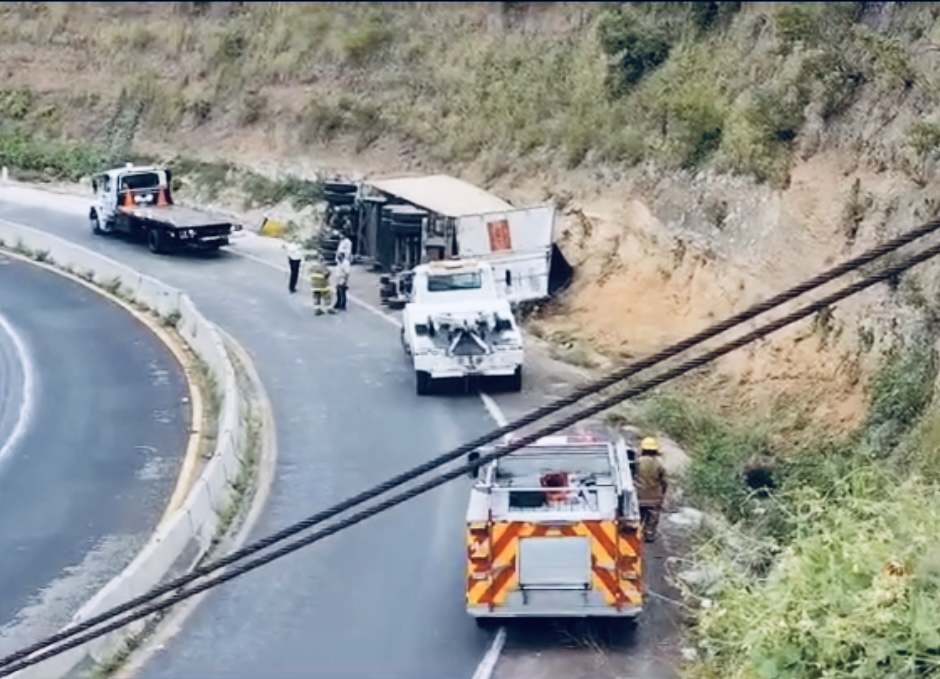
(496, 83)
(512, 89)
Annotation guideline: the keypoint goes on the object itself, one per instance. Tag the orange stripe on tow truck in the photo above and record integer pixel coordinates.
(610, 548)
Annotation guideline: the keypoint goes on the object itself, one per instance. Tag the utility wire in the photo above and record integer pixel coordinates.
(77, 640)
(599, 385)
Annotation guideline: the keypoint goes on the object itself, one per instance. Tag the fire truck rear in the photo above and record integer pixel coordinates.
(553, 530)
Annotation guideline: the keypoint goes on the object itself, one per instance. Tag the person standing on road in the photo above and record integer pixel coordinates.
(294, 257)
(651, 486)
(344, 248)
(320, 286)
(342, 280)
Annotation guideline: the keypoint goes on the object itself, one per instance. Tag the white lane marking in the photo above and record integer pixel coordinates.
(488, 664)
(26, 407)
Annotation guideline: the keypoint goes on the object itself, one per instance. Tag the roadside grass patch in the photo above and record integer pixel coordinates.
(831, 569)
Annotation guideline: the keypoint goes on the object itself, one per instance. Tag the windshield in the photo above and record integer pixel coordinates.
(140, 181)
(471, 280)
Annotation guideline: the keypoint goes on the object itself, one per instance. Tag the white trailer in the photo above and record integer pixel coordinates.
(455, 324)
(465, 221)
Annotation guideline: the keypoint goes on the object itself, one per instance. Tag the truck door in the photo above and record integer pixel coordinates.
(107, 196)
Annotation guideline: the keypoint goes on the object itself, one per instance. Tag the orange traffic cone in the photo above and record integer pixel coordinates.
(161, 198)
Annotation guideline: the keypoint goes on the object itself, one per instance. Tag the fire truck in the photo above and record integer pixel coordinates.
(553, 530)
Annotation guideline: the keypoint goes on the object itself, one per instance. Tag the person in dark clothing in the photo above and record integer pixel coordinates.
(293, 261)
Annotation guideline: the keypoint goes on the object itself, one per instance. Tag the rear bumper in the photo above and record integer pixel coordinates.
(557, 603)
(503, 364)
(505, 612)
(206, 243)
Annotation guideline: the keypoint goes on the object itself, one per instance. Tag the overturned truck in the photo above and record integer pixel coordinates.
(397, 224)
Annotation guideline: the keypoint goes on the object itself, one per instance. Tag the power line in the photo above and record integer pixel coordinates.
(599, 385)
(76, 639)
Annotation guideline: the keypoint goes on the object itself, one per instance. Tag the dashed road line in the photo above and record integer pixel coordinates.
(488, 664)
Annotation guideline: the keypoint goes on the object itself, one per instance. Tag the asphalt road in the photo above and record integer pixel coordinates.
(83, 486)
(383, 599)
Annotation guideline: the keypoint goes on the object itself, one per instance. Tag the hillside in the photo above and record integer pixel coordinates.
(703, 155)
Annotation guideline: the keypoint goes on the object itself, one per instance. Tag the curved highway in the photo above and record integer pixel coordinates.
(93, 425)
(384, 599)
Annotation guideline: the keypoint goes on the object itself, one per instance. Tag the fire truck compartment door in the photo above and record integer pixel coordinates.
(555, 562)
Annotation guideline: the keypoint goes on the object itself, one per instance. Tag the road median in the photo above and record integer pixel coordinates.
(196, 520)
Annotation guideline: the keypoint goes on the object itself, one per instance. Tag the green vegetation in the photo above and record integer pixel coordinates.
(688, 85)
(824, 555)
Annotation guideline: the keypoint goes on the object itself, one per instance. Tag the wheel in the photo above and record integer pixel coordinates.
(95, 224)
(422, 383)
(155, 241)
(515, 382)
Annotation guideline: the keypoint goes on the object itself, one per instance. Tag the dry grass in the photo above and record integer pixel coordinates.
(567, 84)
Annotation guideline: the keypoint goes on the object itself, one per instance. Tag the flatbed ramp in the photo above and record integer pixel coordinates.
(177, 216)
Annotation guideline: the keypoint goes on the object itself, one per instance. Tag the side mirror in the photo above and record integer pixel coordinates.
(471, 458)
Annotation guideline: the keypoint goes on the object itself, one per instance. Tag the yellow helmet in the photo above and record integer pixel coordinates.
(650, 444)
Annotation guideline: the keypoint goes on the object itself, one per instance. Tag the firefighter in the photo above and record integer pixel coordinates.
(651, 486)
(342, 281)
(320, 286)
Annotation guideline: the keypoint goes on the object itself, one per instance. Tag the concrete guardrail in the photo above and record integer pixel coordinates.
(186, 535)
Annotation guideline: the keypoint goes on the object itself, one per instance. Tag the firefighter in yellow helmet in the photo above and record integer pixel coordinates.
(651, 486)
(320, 286)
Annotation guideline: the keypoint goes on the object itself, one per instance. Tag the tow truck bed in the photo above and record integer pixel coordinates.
(177, 216)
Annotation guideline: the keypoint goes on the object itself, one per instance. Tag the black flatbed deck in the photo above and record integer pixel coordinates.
(177, 216)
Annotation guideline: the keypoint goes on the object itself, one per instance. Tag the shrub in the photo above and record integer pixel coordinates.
(635, 48)
(858, 594)
(696, 124)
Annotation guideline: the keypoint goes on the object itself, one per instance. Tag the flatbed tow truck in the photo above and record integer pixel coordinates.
(137, 201)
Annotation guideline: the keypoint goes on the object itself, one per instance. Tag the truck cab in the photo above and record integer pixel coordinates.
(137, 201)
(456, 325)
(553, 530)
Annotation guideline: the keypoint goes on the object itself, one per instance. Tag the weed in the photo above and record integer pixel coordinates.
(172, 319)
(112, 285)
(42, 256)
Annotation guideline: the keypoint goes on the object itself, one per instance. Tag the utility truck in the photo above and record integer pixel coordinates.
(456, 325)
(553, 530)
(137, 202)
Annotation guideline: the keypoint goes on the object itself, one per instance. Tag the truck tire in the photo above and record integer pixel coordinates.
(515, 382)
(95, 224)
(422, 383)
(155, 241)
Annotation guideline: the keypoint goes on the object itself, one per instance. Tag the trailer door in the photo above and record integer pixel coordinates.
(555, 562)
(519, 245)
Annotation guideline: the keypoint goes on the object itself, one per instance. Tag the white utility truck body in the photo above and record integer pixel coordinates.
(455, 324)
(553, 530)
(137, 201)
(467, 222)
